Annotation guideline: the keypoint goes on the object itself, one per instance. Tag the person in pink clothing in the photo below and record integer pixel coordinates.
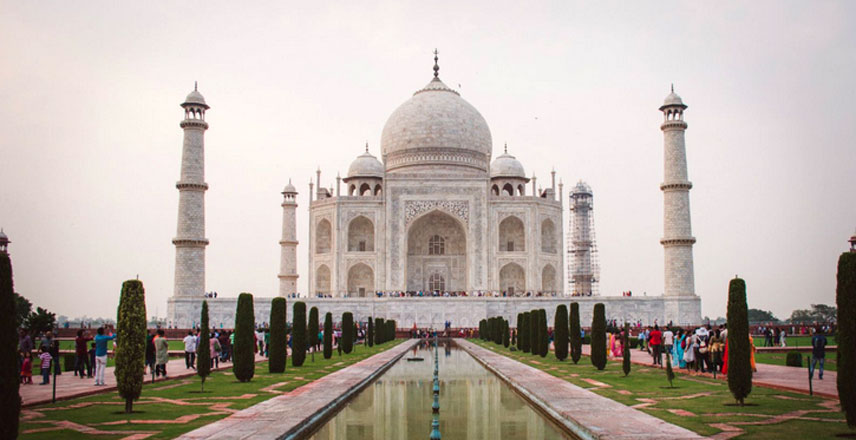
(214, 347)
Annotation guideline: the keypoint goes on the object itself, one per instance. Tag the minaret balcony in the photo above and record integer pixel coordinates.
(192, 186)
(673, 125)
(681, 241)
(194, 123)
(190, 242)
(676, 186)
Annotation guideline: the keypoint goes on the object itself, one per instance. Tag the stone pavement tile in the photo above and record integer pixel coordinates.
(273, 418)
(577, 409)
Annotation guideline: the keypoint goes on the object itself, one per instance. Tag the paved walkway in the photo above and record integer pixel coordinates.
(771, 376)
(69, 386)
(297, 412)
(577, 409)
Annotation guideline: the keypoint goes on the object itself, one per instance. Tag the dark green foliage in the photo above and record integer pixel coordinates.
(505, 334)
(244, 348)
(516, 340)
(523, 338)
(203, 347)
(40, 321)
(670, 375)
(278, 353)
(392, 328)
(534, 345)
(380, 328)
(543, 335)
(793, 359)
(312, 331)
(625, 342)
(23, 307)
(328, 335)
(131, 351)
(370, 332)
(497, 330)
(10, 410)
(575, 333)
(560, 332)
(347, 332)
(298, 334)
(739, 368)
(845, 299)
(598, 337)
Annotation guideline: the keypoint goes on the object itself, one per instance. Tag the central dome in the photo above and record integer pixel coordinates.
(434, 130)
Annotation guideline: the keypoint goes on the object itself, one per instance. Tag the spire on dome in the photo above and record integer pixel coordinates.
(673, 87)
(367, 146)
(194, 86)
(436, 66)
(506, 148)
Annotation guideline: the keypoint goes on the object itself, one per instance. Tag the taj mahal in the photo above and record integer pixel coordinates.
(437, 230)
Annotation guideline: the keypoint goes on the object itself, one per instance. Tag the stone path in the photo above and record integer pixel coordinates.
(771, 376)
(297, 410)
(70, 386)
(577, 409)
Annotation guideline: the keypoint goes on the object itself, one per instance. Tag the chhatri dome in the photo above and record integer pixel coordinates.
(195, 97)
(673, 99)
(365, 165)
(506, 165)
(436, 127)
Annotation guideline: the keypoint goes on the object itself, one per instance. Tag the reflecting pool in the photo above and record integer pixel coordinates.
(474, 404)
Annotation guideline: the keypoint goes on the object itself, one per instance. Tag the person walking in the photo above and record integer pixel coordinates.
(818, 353)
(668, 340)
(81, 356)
(46, 365)
(161, 353)
(101, 354)
(214, 348)
(150, 352)
(190, 351)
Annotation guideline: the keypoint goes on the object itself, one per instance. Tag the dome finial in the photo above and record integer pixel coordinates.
(506, 148)
(194, 87)
(673, 87)
(367, 146)
(436, 66)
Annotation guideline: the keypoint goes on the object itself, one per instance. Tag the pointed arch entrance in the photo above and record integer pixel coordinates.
(436, 254)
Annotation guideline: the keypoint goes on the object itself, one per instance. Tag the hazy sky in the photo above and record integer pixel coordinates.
(90, 146)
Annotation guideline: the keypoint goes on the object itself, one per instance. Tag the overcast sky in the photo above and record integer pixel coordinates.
(90, 146)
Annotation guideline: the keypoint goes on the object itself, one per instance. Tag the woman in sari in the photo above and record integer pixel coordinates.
(678, 350)
(752, 354)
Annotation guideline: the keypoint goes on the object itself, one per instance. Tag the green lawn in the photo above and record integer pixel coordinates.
(69, 345)
(706, 400)
(794, 341)
(222, 393)
(830, 363)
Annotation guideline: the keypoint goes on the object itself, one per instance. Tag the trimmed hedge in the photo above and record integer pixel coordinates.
(278, 340)
(574, 333)
(534, 344)
(10, 380)
(244, 348)
(312, 331)
(560, 332)
(543, 335)
(739, 367)
(793, 359)
(131, 352)
(347, 332)
(845, 299)
(203, 347)
(598, 337)
(523, 338)
(328, 335)
(298, 334)
(625, 362)
(370, 333)
(517, 341)
(506, 341)
(380, 329)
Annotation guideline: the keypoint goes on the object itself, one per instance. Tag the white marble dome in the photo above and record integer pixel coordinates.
(673, 99)
(365, 165)
(507, 165)
(195, 97)
(435, 129)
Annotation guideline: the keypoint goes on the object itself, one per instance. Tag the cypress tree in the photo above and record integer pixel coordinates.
(312, 331)
(278, 350)
(543, 336)
(380, 330)
(328, 335)
(131, 352)
(392, 328)
(845, 299)
(576, 333)
(10, 378)
(505, 336)
(481, 329)
(625, 358)
(244, 360)
(517, 342)
(203, 347)
(523, 332)
(298, 334)
(560, 332)
(534, 346)
(347, 332)
(598, 337)
(739, 367)
(370, 332)
(497, 330)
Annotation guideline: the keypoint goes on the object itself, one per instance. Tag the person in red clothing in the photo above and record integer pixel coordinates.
(655, 340)
(81, 356)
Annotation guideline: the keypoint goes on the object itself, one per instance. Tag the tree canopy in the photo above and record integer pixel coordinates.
(817, 313)
(758, 315)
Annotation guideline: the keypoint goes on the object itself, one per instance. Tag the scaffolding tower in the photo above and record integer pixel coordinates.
(583, 266)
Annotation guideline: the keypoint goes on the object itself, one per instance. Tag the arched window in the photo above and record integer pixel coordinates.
(436, 245)
(436, 283)
(495, 190)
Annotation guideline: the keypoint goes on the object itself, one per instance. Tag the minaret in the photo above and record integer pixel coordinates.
(677, 239)
(583, 267)
(190, 238)
(288, 244)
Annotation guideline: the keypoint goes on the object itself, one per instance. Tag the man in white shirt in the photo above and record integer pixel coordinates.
(668, 338)
(190, 351)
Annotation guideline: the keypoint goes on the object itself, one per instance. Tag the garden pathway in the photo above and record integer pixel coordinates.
(69, 386)
(771, 376)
